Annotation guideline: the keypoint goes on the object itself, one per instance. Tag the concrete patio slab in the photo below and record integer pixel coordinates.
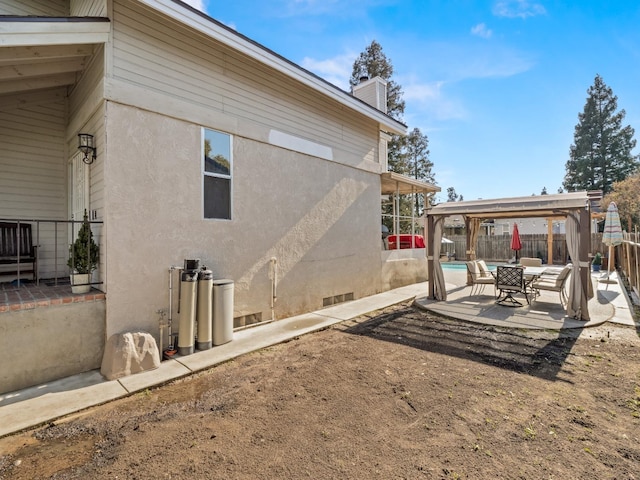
(609, 304)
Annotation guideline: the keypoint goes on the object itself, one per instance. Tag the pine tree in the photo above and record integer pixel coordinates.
(374, 63)
(417, 159)
(601, 152)
(407, 155)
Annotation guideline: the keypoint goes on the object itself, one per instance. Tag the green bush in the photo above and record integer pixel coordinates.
(597, 259)
(84, 253)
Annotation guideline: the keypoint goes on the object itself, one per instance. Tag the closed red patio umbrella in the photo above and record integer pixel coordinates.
(515, 240)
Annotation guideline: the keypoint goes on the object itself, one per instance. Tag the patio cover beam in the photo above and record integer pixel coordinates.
(392, 183)
(38, 31)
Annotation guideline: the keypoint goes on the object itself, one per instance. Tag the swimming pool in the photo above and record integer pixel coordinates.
(460, 266)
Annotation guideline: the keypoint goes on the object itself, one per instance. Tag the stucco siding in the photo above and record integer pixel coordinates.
(313, 216)
(171, 61)
(45, 344)
(49, 8)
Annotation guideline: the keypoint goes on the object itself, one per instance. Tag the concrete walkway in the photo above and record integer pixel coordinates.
(33, 406)
(37, 405)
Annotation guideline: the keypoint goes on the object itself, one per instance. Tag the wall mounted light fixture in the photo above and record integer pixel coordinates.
(86, 146)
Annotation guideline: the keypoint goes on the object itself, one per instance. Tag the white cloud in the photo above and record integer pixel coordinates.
(481, 30)
(429, 100)
(518, 8)
(198, 4)
(230, 25)
(336, 70)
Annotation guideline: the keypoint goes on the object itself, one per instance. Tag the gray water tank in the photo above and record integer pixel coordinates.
(222, 311)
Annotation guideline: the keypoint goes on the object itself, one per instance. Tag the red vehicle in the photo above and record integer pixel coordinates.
(406, 241)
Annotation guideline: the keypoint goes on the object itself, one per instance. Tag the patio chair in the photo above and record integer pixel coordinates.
(511, 280)
(530, 262)
(480, 278)
(484, 270)
(553, 283)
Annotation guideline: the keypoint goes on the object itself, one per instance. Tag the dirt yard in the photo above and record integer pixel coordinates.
(400, 394)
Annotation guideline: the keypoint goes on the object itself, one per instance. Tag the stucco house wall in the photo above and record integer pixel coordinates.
(315, 217)
(146, 79)
(306, 184)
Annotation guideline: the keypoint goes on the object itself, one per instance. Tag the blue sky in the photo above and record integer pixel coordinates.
(496, 85)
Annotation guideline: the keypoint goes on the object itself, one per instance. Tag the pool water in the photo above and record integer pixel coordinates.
(460, 266)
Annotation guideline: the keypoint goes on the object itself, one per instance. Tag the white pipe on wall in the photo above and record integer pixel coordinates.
(273, 275)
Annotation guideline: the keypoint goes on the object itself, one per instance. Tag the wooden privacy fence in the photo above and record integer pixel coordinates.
(628, 260)
(497, 248)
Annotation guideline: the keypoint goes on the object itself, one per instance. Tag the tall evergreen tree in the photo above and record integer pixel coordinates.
(408, 155)
(601, 152)
(417, 159)
(374, 63)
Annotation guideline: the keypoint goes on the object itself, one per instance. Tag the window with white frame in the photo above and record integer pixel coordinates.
(217, 170)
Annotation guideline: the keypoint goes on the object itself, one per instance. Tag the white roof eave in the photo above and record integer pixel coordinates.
(229, 37)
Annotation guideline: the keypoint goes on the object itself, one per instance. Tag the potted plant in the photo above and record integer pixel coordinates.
(597, 262)
(84, 255)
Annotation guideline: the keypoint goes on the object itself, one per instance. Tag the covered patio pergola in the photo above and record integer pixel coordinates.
(574, 207)
(395, 185)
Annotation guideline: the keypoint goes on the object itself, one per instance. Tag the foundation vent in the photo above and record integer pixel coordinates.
(345, 297)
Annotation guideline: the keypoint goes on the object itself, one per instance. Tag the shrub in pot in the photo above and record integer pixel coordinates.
(597, 262)
(84, 255)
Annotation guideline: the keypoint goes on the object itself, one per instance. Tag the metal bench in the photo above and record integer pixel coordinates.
(17, 251)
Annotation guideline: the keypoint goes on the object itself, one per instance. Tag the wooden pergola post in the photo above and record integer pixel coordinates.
(549, 241)
(585, 265)
(431, 227)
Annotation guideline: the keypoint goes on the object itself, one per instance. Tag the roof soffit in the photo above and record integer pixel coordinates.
(38, 53)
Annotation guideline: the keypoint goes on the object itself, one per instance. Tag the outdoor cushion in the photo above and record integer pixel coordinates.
(554, 283)
(530, 262)
(484, 270)
(478, 278)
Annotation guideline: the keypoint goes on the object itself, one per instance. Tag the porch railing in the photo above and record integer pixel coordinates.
(52, 239)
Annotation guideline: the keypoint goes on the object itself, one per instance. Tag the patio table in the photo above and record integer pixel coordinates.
(531, 274)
